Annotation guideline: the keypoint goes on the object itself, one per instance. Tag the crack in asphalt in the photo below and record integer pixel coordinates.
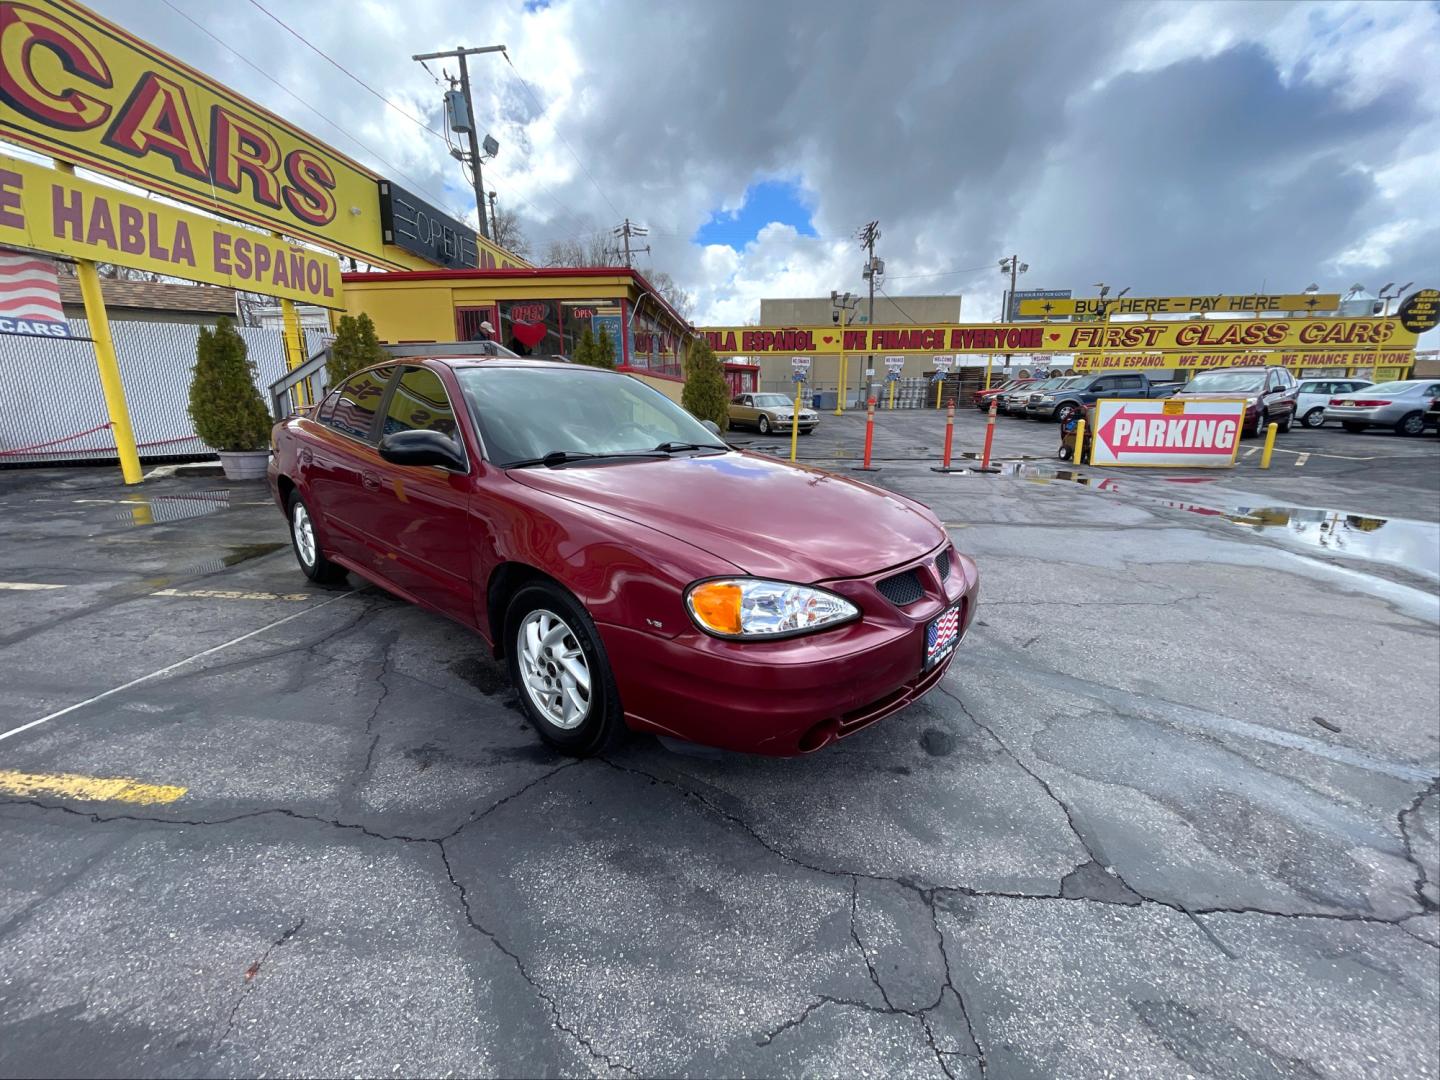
(387, 645)
(540, 991)
(855, 937)
(1422, 877)
(251, 973)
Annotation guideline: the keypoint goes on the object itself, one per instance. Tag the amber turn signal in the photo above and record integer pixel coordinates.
(717, 606)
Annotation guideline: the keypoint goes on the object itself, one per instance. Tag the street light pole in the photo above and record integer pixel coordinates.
(1013, 266)
(460, 52)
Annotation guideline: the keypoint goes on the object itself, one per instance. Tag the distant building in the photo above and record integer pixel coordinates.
(152, 301)
(816, 311)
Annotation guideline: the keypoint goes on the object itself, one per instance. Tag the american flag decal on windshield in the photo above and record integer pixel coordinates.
(941, 635)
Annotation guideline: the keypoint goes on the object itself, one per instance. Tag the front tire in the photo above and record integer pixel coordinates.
(306, 543)
(1065, 413)
(561, 672)
(763, 424)
(1314, 418)
(1411, 424)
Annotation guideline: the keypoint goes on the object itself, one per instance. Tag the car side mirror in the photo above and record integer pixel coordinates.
(422, 448)
(711, 426)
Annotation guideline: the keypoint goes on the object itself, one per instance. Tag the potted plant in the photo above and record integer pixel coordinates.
(226, 408)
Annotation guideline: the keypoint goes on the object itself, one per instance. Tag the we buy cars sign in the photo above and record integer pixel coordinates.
(1187, 433)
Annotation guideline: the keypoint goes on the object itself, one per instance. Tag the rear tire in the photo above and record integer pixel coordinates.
(1352, 426)
(1282, 426)
(1314, 418)
(306, 542)
(550, 672)
(1411, 424)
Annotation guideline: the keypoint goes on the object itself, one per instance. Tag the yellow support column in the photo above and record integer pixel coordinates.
(795, 421)
(294, 345)
(110, 383)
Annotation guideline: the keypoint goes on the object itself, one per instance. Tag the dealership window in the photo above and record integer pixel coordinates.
(576, 315)
(468, 320)
(531, 327)
(654, 345)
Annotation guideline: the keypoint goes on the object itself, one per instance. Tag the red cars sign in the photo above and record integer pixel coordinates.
(1188, 433)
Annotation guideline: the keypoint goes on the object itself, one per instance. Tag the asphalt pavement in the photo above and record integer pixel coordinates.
(1174, 810)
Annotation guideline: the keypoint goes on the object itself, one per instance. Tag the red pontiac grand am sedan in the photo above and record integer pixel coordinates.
(632, 570)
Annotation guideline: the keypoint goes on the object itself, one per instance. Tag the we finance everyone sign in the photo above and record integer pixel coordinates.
(1189, 433)
(1160, 336)
(53, 211)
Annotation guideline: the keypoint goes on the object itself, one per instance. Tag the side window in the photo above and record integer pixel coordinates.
(738, 399)
(1131, 382)
(1433, 390)
(420, 404)
(358, 400)
(326, 413)
(747, 401)
(1102, 386)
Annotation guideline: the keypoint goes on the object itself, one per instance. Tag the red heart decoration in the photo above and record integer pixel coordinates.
(1054, 337)
(827, 339)
(528, 334)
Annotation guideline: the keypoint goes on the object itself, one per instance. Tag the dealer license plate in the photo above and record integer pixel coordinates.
(942, 634)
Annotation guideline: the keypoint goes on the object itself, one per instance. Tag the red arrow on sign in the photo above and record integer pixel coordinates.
(1189, 433)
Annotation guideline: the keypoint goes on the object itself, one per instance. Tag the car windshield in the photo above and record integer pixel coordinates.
(771, 401)
(523, 413)
(1391, 388)
(1225, 382)
(1047, 384)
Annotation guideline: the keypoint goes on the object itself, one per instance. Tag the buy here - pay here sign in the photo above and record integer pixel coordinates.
(1187, 433)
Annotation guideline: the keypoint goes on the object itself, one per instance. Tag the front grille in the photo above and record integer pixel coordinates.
(942, 564)
(904, 588)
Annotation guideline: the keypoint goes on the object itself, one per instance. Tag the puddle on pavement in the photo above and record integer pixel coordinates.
(160, 509)
(234, 555)
(1414, 545)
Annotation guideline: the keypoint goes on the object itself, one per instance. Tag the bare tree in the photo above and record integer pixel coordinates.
(595, 249)
(505, 230)
(682, 301)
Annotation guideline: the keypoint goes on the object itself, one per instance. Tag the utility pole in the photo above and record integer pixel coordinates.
(460, 52)
(867, 237)
(1013, 266)
(626, 231)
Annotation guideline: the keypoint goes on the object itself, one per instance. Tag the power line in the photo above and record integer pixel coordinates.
(897, 305)
(419, 187)
(942, 273)
(341, 67)
(559, 134)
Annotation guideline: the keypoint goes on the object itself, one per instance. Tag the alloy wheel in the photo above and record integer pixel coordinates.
(553, 669)
(304, 534)
(1315, 418)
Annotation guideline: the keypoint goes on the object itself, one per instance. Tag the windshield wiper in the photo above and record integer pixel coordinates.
(556, 458)
(674, 447)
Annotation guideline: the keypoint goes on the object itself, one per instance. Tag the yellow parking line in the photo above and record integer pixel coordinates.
(230, 594)
(87, 788)
(27, 586)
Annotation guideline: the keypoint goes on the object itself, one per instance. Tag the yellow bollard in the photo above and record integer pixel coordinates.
(294, 339)
(1077, 455)
(892, 396)
(939, 386)
(1270, 432)
(795, 422)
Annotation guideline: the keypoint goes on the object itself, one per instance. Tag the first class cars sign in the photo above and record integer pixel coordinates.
(1187, 433)
(79, 88)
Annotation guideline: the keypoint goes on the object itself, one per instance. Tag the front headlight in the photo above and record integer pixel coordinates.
(1045, 397)
(754, 608)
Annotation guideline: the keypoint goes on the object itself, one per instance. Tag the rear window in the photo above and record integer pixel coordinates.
(1225, 382)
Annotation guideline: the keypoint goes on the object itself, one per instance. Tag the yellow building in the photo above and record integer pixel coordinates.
(538, 312)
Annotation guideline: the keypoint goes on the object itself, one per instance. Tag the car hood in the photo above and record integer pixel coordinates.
(768, 518)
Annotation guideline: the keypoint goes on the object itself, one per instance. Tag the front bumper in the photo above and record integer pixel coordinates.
(797, 695)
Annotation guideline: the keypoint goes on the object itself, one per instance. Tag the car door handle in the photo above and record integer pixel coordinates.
(369, 481)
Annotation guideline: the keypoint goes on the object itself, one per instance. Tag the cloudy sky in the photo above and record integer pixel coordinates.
(1174, 148)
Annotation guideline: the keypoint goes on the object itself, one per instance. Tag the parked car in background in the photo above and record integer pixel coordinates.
(1312, 395)
(632, 569)
(1012, 402)
(768, 412)
(1269, 393)
(1399, 405)
(1033, 403)
(983, 397)
(1069, 400)
(1432, 415)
